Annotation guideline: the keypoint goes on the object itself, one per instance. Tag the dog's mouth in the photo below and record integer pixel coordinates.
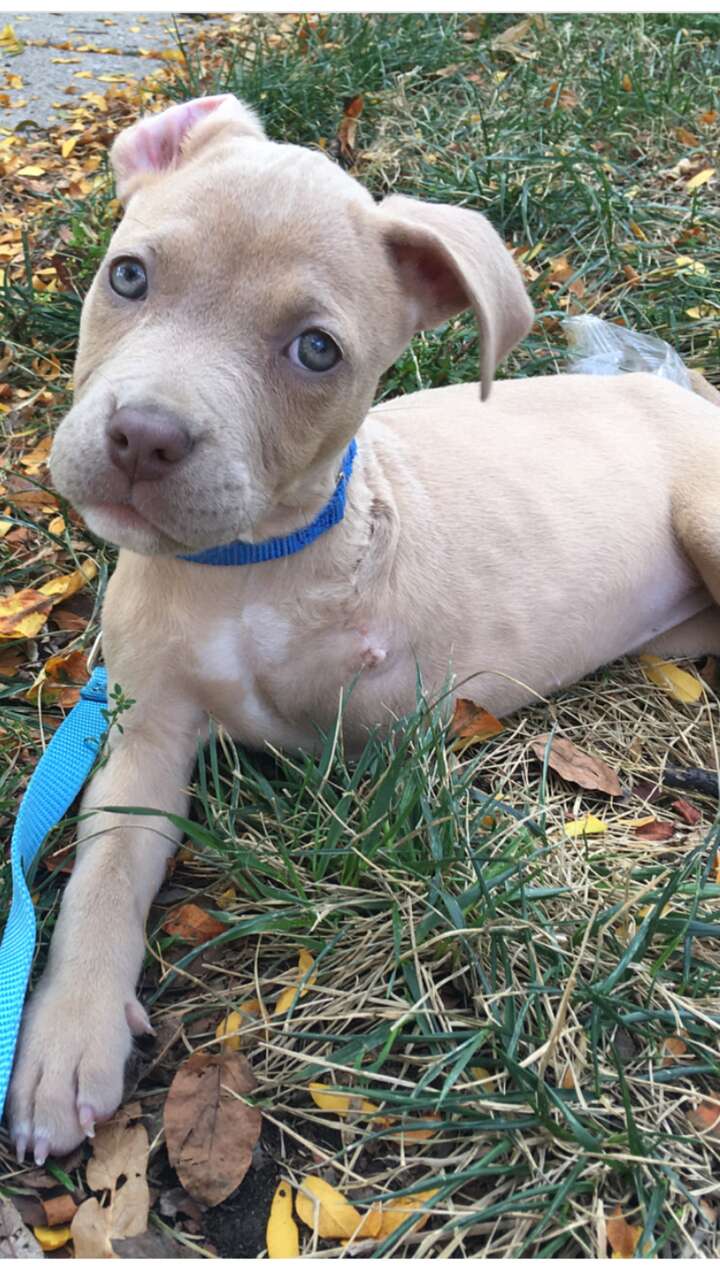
(122, 524)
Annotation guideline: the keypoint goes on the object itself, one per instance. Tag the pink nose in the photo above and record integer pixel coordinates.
(146, 443)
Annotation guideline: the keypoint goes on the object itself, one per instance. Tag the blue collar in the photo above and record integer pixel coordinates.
(237, 553)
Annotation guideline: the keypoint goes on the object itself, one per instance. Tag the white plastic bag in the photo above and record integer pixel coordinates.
(599, 347)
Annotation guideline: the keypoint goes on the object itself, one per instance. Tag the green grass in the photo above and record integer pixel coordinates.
(453, 923)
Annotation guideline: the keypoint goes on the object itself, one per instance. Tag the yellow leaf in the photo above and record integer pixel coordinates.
(51, 1238)
(305, 962)
(700, 179)
(480, 1073)
(587, 826)
(69, 145)
(223, 1031)
(57, 526)
(396, 1212)
(5, 526)
(285, 1000)
(233, 1022)
(23, 614)
(66, 586)
(325, 1209)
(29, 171)
(324, 1098)
(637, 231)
(282, 1236)
(697, 268)
(172, 55)
(626, 83)
(83, 75)
(679, 684)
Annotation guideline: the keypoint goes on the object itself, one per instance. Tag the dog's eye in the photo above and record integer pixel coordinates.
(128, 277)
(314, 350)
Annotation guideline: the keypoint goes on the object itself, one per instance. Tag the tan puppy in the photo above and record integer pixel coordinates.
(230, 348)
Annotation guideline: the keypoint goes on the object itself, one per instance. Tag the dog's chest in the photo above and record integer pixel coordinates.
(267, 677)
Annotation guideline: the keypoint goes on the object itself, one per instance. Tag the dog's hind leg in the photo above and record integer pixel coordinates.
(691, 639)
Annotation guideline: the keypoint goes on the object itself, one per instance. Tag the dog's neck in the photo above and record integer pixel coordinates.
(295, 523)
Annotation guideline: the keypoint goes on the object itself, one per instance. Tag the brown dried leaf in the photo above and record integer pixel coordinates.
(59, 1210)
(622, 1238)
(210, 1130)
(654, 829)
(118, 1166)
(706, 1117)
(673, 1049)
(687, 811)
(471, 721)
(192, 924)
(347, 131)
(574, 765)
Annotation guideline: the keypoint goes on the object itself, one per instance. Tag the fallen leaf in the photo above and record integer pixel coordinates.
(52, 1238)
(325, 1209)
(59, 1210)
(60, 680)
(687, 138)
(472, 723)
(653, 829)
(622, 1238)
(226, 1031)
(210, 1130)
(326, 1099)
(587, 826)
(287, 997)
(395, 1213)
(673, 1048)
(679, 684)
(347, 130)
(485, 1078)
(23, 614)
(575, 765)
(687, 811)
(626, 83)
(118, 1169)
(699, 179)
(282, 1236)
(10, 662)
(70, 583)
(192, 924)
(16, 1240)
(707, 117)
(90, 1231)
(706, 1116)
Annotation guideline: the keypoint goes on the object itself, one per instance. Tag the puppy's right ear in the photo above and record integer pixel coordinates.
(163, 141)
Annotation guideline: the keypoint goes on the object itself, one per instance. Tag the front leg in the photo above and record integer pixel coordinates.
(77, 1030)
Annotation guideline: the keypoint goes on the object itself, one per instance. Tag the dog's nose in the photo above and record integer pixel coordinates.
(147, 443)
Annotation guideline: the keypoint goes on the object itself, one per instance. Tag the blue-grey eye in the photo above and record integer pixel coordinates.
(128, 277)
(314, 350)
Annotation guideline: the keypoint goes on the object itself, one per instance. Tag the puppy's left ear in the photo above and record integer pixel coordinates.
(450, 259)
(161, 142)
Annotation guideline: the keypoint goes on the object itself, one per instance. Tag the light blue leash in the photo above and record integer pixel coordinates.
(58, 778)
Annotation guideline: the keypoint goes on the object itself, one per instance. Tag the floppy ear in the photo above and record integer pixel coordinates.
(450, 259)
(162, 141)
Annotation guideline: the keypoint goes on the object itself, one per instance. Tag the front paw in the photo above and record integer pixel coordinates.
(70, 1065)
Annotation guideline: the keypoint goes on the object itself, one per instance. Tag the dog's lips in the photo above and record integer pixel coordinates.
(120, 513)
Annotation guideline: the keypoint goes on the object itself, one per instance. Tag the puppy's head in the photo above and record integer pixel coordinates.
(233, 338)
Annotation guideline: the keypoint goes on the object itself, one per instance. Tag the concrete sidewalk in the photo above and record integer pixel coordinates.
(47, 71)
